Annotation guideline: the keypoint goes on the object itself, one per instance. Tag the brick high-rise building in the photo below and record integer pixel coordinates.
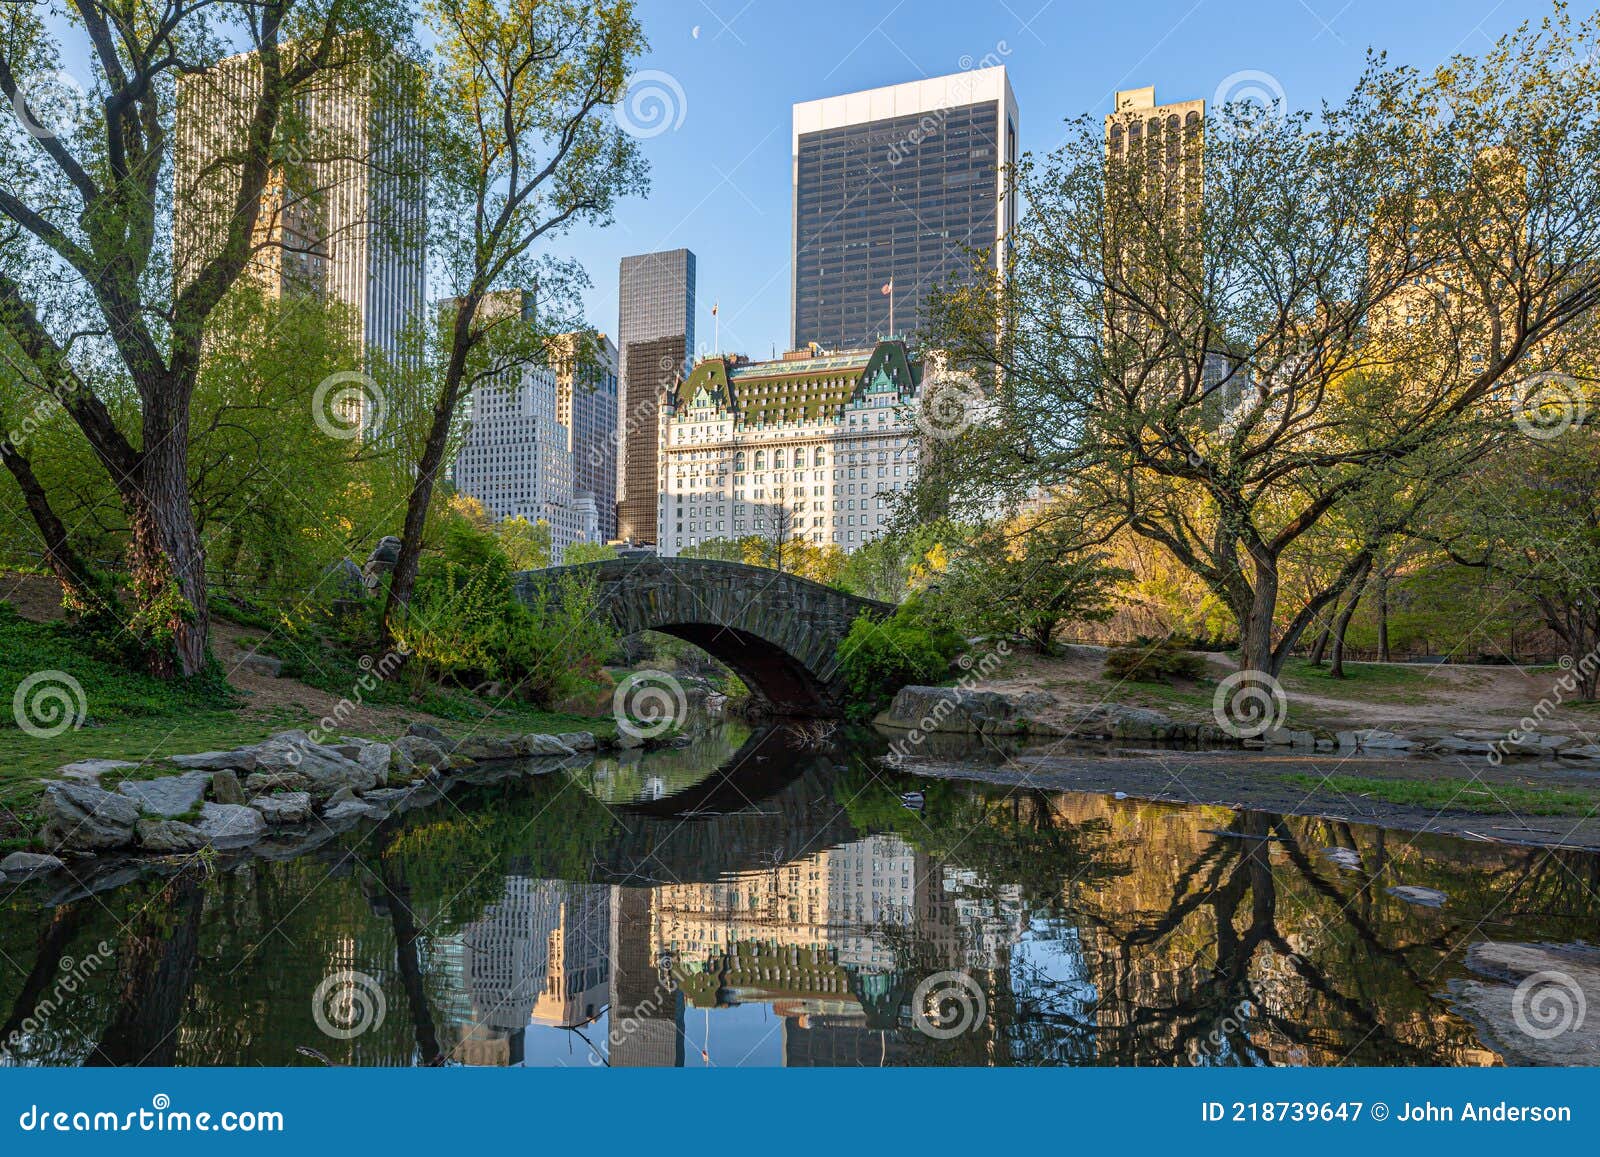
(655, 340)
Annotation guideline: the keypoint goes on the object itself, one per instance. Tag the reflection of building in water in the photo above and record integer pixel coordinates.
(646, 1017)
(538, 956)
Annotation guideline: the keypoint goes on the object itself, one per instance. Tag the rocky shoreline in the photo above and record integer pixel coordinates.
(919, 711)
(274, 799)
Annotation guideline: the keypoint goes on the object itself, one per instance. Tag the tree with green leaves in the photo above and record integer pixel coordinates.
(87, 191)
(523, 146)
(1232, 330)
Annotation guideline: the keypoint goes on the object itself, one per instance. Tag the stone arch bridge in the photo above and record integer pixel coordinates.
(779, 632)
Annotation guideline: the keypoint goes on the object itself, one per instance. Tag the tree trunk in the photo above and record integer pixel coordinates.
(79, 593)
(1357, 587)
(1321, 647)
(1383, 616)
(167, 562)
(1255, 620)
(403, 579)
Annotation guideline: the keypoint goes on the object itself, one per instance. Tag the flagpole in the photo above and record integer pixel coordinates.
(716, 328)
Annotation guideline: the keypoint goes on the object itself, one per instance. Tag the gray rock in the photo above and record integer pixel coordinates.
(343, 795)
(267, 665)
(1422, 897)
(534, 744)
(1588, 752)
(292, 807)
(1458, 745)
(577, 740)
(421, 751)
(1298, 740)
(261, 782)
(324, 768)
(402, 768)
(229, 825)
(82, 817)
(1536, 1005)
(29, 863)
(489, 747)
(954, 709)
(242, 759)
(90, 770)
(225, 788)
(159, 835)
(350, 809)
(627, 739)
(376, 757)
(1372, 739)
(171, 795)
(431, 733)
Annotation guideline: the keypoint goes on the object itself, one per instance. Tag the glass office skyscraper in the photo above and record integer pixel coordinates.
(892, 189)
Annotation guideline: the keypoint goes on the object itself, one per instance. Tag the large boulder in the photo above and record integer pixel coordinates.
(166, 835)
(376, 757)
(380, 563)
(577, 740)
(955, 709)
(242, 759)
(421, 751)
(225, 787)
(291, 807)
(230, 825)
(480, 747)
(535, 744)
(90, 770)
(432, 734)
(84, 818)
(261, 782)
(171, 795)
(28, 863)
(1118, 721)
(1374, 739)
(324, 768)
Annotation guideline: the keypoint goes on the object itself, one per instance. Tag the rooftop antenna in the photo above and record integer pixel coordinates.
(716, 328)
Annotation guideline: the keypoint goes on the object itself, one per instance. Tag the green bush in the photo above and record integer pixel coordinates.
(876, 658)
(1158, 662)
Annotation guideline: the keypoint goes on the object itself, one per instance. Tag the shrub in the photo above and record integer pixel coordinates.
(876, 658)
(1158, 662)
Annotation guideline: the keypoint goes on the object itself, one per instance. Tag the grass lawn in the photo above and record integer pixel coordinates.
(130, 716)
(1463, 795)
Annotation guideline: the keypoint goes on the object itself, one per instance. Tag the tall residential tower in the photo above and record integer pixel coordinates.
(893, 187)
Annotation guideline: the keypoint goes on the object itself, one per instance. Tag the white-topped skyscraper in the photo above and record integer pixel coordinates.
(892, 188)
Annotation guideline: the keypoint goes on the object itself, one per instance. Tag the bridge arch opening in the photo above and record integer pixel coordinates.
(780, 683)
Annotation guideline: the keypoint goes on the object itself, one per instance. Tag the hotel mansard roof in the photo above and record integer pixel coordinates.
(797, 388)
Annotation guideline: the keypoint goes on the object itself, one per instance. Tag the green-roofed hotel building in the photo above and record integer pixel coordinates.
(826, 437)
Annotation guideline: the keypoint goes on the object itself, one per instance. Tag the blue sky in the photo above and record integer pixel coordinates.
(721, 176)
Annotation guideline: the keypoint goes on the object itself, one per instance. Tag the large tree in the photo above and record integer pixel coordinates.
(1237, 330)
(87, 179)
(523, 145)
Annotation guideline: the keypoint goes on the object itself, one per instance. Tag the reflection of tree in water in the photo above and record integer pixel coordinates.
(1102, 932)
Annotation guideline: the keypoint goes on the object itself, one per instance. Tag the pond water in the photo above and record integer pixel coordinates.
(766, 897)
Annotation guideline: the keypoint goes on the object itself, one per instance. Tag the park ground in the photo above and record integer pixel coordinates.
(130, 717)
(1536, 802)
